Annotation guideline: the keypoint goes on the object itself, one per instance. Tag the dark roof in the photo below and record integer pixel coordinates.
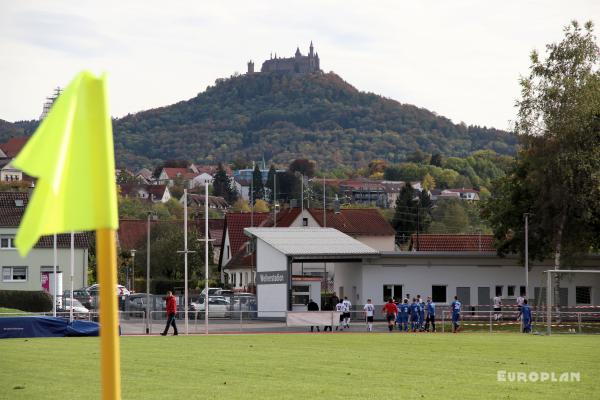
(235, 224)
(355, 221)
(216, 228)
(452, 242)
(11, 214)
(197, 200)
(133, 232)
(13, 146)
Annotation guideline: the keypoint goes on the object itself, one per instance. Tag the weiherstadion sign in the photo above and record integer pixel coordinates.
(271, 277)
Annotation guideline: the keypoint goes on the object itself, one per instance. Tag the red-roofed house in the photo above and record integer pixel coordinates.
(235, 263)
(190, 177)
(153, 193)
(452, 243)
(8, 151)
(14, 145)
(364, 224)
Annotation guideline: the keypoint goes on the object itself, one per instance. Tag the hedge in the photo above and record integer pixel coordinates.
(31, 301)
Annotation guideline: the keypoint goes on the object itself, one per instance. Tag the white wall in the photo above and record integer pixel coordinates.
(417, 278)
(381, 243)
(271, 298)
(349, 276)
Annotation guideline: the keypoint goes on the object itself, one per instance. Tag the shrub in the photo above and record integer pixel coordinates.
(32, 301)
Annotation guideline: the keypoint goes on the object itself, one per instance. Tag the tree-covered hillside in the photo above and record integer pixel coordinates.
(284, 117)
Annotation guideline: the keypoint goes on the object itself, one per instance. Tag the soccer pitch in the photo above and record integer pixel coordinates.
(305, 366)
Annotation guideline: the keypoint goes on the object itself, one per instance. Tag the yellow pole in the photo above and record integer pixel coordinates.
(110, 367)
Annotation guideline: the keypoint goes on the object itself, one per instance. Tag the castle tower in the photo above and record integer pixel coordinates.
(310, 53)
(250, 67)
(298, 54)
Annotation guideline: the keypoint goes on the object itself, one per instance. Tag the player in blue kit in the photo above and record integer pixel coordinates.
(525, 315)
(415, 311)
(402, 319)
(430, 315)
(455, 309)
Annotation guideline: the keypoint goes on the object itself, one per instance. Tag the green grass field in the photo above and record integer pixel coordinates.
(304, 366)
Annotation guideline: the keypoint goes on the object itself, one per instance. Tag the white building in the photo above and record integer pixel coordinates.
(363, 272)
(35, 271)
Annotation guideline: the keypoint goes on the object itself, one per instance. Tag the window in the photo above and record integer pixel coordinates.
(7, 242)
(522, 291)
(438, 294)
(392, 291)
(14, 274)
(583, 295)
(499, 291)
(304, 221)
(511, 291)
(300, 294)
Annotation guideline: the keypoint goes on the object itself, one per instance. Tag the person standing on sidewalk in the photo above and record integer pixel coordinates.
(312, 306)
(171, 312)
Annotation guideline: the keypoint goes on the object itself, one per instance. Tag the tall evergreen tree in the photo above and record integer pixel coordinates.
(257, 184)
(405, 216)
(222, 185)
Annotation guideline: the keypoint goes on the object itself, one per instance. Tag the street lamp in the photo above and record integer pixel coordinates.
(133, 269)
(154, 218)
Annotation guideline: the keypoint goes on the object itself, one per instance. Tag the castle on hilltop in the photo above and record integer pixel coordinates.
(298, 64)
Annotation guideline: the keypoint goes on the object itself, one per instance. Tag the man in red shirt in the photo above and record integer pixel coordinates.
(390, 310)
(171, 312)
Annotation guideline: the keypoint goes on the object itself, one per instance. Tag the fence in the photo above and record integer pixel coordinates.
(244, 321)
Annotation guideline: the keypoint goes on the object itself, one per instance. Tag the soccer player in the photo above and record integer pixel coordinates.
(421, 312)
(370, 312)
(415, 312)
(430, 315)
(455, 309)
(390, 310)
(497, 308)
(525, 315)
(339, 307)
(347, 308)
(403, 315)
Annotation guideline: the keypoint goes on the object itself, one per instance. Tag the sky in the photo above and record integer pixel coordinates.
(461, 59)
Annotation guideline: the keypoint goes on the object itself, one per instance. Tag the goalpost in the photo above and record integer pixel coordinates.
(549, 290)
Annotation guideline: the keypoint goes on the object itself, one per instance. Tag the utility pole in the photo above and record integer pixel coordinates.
(418, 222)
(275, 199)
(324, 205)
(302, 193)
(185, 252)
(526, 215)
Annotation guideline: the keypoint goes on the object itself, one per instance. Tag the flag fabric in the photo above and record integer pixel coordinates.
(72, 155)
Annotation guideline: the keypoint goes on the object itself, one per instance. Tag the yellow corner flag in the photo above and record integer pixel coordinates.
(72, 155)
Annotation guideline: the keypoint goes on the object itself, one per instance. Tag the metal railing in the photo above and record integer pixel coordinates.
(225, 321)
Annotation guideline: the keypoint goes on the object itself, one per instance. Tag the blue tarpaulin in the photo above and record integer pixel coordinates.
(38, 326)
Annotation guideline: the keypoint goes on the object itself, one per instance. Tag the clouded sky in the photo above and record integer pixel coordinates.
(460, 58)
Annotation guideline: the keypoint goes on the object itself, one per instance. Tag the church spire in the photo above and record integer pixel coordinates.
(311, 49)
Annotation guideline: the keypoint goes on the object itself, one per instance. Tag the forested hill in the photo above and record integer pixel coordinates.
(283, 117)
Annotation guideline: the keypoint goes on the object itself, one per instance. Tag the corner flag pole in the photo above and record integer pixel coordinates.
(206, 258)
(109, 319)
(72, 273)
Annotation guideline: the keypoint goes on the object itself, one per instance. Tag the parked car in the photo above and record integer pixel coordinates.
(137, 303)
(94, 290)
(217, 307)
(223, 292)
(77, 306)
(83, 295)
(211, 290)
